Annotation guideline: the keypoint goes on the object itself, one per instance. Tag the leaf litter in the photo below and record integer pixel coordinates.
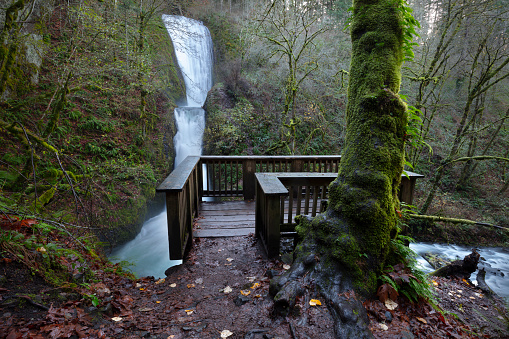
(128, 308)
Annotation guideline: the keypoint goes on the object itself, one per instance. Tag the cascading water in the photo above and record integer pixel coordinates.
(148, 252)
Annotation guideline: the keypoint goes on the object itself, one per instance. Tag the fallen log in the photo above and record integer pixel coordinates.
(454, 221)
(459, 268)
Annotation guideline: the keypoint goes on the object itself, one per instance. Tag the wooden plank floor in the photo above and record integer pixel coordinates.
(229, 219)
(225, 219)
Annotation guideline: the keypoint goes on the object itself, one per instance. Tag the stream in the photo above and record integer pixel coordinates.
(495, 260)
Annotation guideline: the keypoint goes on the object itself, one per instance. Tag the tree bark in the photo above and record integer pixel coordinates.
(345, 249)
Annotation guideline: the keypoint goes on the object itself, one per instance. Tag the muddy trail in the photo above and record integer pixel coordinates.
(222, 292)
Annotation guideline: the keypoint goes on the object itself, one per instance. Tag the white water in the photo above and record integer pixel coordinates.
(149, 251)
(495, 260)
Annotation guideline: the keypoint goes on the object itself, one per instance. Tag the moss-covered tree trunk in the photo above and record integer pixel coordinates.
(364, 195)
(345, 249)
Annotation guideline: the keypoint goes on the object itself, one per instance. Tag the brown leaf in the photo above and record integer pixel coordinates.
(422, 320)
(386, 291)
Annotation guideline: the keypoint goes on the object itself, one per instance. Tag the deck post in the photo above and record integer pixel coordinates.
(407, 186)
(272, 222)
(406, 193)
(248, 177)
(200, 173)
(173, 214)
(297, 165)
(190, 213)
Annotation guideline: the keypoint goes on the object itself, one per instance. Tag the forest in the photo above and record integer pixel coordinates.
(88, 89)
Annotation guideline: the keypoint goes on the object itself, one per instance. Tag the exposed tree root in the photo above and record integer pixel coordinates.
(310, 271)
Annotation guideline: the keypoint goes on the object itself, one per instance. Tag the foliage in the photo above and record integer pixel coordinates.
(405, 277)
(74, 146)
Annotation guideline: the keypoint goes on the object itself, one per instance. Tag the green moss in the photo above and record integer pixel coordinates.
(44, 199)
(356, 230)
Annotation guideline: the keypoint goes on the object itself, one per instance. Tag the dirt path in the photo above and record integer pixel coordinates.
(222, 292)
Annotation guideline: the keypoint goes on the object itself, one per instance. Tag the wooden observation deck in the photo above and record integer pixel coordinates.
(236, 195)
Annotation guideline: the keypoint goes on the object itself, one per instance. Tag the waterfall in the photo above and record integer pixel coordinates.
(149, 251)
(193, 49)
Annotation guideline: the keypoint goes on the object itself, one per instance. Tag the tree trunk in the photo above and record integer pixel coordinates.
(346, 247)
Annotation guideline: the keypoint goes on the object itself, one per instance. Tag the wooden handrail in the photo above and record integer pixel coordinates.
(274, 216)
(182, 204)
(235, 175)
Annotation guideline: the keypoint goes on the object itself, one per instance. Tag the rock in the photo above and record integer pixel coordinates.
(241, 300)
(107, 309)
(169, 271)
(252, 333)
(271, 273)
(460, 268)
(287, 258)
(436, 260)
(406, 335)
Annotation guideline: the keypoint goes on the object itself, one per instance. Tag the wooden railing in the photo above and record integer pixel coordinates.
(282, 196)
(236, 176)
(182, 188)
(229, 176)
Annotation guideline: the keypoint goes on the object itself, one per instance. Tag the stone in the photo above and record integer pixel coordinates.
(241, 300)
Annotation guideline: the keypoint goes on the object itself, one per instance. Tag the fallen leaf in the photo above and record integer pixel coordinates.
(251, 279)
(286, 266)
(116, 318)
(385, 292)
(226, 334)
(245, 292)
(145, 309)
(391, 305)
(173, 285)
(258, 296)
(190, 285)
(473, 298)
(229, 259)
(171, 336)
(41, 249)
(383, 326)
(315, 302)
(138, 285)
(422, 320)
(160, 281)
(158, 302)
(255, 285)
(142, 289)
(434, 282)
(199, 281)
(189, 312)
(227, 289)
